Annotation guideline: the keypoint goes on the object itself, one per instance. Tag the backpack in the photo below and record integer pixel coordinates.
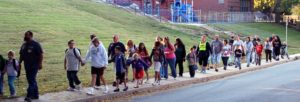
(74, 51)
(14, 64)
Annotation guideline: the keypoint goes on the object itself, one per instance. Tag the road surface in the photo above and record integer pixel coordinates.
(280, 83)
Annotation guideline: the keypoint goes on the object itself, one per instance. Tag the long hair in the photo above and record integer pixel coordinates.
(168, 44)
(179, 42)
(130, 44)
(140, 49)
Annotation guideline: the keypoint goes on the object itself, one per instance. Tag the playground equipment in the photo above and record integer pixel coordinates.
(183, 12)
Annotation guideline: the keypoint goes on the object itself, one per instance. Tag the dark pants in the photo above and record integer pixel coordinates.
(268, 55)
(1, 84)
(98, 83)
(31, 72)
(258, 60)
(225, 62)
(179, 62)
(192, 71)
(72, 77)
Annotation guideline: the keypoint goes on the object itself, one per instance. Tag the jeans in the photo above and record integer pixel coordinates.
(192, 70)
(248, 58)
(225, 62)
(31, 73)
(72, 77)
(171, 63)
(179, 62)
(216, 58)
(162, 71)
(238, 62)
(1, 84)
(11, 84)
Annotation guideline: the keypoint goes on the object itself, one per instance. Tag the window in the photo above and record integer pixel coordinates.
(221, 1)
(245, 5)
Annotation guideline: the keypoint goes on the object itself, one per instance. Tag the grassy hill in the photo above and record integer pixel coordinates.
(54, 22)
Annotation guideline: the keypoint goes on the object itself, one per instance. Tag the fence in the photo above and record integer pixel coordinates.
(188, 15)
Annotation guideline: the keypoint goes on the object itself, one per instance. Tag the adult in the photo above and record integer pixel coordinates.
(32, 54)
(180, 53)
(249, 49)
(226, 52)
(238, 43)
(99, 61)
(2, 64)
(276, 47)
(170, 58)
(268, 50)
(216, 46)
(98, 82)
(130, 50)
(116, 42)
(203, 52)
(111, 50)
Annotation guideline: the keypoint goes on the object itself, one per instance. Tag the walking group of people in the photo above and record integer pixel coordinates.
(127, 57)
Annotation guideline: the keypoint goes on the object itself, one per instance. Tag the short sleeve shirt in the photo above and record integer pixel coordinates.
(30, 52)
(72, 59)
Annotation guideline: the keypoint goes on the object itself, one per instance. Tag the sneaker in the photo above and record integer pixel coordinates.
(216, 70)
(13, 96)
(114, 83)
(78, 87)
(126, 88)
(106, 90)
(158, 82)
(91, 91)
(154, 84)
(117, 90)
(147, 82)
(27, 99)
(248, 65)
(70, 89)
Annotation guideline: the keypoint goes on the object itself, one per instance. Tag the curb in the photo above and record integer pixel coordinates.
(174, 85)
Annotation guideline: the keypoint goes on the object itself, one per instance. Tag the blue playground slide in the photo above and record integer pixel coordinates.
(183, 11)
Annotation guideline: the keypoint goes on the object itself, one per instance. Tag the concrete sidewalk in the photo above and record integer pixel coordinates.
(81, 96)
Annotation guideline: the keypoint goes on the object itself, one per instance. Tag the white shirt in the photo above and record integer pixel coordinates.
(98, 56)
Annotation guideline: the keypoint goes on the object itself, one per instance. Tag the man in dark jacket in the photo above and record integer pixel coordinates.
(32, 54)
(2, 64)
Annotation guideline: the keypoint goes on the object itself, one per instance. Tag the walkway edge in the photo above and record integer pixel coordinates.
(178, 84)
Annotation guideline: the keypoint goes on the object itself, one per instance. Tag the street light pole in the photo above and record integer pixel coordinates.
(286, 33)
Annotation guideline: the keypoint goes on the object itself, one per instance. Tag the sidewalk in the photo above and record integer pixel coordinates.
(81, 96)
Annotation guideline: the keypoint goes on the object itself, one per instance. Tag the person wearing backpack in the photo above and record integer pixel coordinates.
(2, 65)
(268, 50)
(71, 64)
(12, 68)
(158, 57)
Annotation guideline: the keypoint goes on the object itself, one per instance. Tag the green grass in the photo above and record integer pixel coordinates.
(264, 30)
(54, 22)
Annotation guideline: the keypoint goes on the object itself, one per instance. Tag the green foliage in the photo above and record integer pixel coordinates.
(296, 10)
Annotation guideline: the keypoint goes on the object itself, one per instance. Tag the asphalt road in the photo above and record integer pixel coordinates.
(280, 83)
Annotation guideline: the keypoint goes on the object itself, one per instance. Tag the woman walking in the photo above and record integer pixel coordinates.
(170, 58)
(268, 50)
(226, 52)
(249, 50)
(180, 53)
(203, 52)
(276, 47)
(130, 50)
(143, 53)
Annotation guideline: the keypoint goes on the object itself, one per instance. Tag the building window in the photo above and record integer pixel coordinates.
(245, 5)
(221, 1)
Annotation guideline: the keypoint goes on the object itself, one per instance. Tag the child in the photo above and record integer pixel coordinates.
(284, 50)
(258, 49)
(143, 53)
(72, 64)
(192, 61)
(158, 58)
(139, 66)
(11, 67)
(238, 56)
(2, 64)
(120, 62)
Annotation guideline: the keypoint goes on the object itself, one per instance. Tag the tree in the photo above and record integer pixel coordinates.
(264, 6)
(283, 7)
(296, 9)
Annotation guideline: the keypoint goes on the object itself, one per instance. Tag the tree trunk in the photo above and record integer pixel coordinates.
(277, 11)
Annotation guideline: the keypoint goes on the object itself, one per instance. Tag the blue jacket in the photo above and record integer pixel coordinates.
(139, 64)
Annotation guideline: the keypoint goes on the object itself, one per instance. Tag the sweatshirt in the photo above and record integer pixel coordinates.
(98, 56)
